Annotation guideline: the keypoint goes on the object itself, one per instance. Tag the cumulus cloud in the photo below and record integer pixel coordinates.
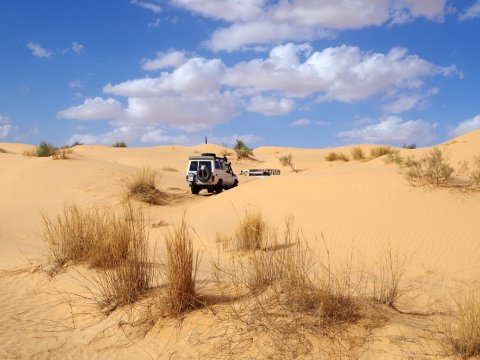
(147, 5)
(341, 73)
(93, 109)
(159, 136)
(306, 122)
(38, 50)
(172, 58)
(467, 126)
(406, 102)
(231, 140)
(6, 126)
(262, 22)
(393, 129)
(268, 105)
(471, 12)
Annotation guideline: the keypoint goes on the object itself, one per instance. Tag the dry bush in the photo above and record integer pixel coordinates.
(387, 276)
(242, 150)
(251, 233)
(180, 271)
(142, 187)
(287, 160)
(133, 273)
(357, 153)
(462, 336)
(101, 239)
(379, 151)
(62, 154)
(432, 169)
(29, 152)
(169, 168)
(333, 156)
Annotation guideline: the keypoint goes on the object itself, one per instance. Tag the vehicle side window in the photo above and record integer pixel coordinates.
(193, 166)
(206, 164)
(218, 165)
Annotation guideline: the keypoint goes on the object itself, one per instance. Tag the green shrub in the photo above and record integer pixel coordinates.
(45, 149)
(242, 150)
(120, 144)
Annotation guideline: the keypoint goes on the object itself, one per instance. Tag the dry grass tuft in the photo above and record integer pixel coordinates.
(142, 187)
(333, 156)
(390, 270)
(62, 154)
(181, 270)
(287, 160)
(168, 168)
(379, 151)
(251, 233)
(29, 152)
(462, 336)
(101, 239)
(357, 153)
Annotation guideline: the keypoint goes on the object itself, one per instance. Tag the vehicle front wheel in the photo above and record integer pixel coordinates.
(195, 190)
(235, 184)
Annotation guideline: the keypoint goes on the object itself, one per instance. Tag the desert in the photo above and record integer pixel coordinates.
(345, 228)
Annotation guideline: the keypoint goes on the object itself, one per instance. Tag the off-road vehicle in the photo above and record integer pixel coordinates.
(208, 171)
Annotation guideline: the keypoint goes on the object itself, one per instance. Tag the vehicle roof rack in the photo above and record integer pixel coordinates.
(209, 154)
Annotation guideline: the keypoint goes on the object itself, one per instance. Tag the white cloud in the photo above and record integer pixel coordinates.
(75, 84)
(471, 12)
(147, 5)
(270, 106)
(171, 58)
(77, 48)
(160, 136)
(341, 73)
(155, 24)
(38, 50)
(6, 126)
(93, 109)
(406, 102)
(229, 10)
(467, 126)
(301, 122)
(262, 21)
(393, 129)
(231, 140)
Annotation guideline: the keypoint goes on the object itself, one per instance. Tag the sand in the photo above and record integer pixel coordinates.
(359, 206)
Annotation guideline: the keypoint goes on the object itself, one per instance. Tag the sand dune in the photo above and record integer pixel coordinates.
(364, 205)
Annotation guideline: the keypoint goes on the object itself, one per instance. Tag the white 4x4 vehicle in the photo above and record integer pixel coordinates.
(207, 171)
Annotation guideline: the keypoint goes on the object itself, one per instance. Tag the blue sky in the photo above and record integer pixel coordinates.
(303, 73)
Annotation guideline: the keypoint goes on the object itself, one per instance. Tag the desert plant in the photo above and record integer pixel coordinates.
(101, 239)
(142, 186)
(242, 150)
(387, 276)
(357, 153)
(251, 232)
(45, 149)
(169, 168)
(409, 146)
(432, 169)
(181, 270)
(62, 154)
(75, 143)
(462, 336)
(379, 151)
(394, 157)
(333, 156)
(120, 144)
(29, 152)
(287, 160)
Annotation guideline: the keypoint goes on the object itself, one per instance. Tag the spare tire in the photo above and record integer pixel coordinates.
(204, 174)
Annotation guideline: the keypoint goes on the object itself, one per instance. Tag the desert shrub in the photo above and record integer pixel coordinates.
(133, 272)
(409, 146)
(394, 157)
(120, 144)
(169, 168)
(62, 154)
(379, 151)
(432, 169)
(181, 269)
(251, 233)
(100, 239)
(333, 156)
(287, 160)
(461, 337)
(29, 152)
(45, 149)
(357, 153)
(75, 143)
(142, 187)
(389, 271)
(474, 173)
(242, 150)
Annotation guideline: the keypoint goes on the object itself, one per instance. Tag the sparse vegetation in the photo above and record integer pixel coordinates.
(461, 337)
(120, 144)
(169, 168)
(335, 156)
(357, 153)
(242, 150)
(62, 154)
(100, 239)
(142, 187)
(45, 149)
(75, 143)
(379, 151)
(409, 146)
(432, 169)
(29, 152)
(181, 270)
(251, 233)
(287, 160)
